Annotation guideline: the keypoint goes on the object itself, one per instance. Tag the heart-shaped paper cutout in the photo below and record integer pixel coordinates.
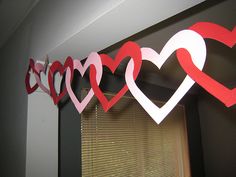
(218, 33)
(40, 69)
(187, 39)
(58, 67)
(93, 59)
(30, 89)
(129, 49)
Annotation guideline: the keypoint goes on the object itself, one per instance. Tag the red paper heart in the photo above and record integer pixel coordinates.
(58, 67)
(218, 33)
(128, 49)
(27, 77)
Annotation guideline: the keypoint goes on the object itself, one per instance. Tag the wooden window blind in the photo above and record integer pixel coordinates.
(125, 142)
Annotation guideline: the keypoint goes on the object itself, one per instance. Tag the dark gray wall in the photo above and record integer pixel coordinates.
(218, 127)
(69, 141)
(218, 124)
(13, 105)
(69, 154)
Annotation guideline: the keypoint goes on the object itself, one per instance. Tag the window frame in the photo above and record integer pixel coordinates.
(67, 165)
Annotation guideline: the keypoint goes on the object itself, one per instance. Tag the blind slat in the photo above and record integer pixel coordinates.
(125, 141)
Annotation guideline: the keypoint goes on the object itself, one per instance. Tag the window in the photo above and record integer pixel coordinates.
(125, 141)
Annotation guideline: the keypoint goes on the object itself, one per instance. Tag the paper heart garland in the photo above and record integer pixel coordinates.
(187, 39)
(31, 66)
(93, 59)
(218, 33)
(58, 67)
(40, 69)
(191, 54)
(129, 49)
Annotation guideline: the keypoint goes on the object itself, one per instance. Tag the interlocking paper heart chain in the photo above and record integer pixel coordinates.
(191, 54)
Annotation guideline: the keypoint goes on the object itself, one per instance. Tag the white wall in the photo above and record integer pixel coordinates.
(42, 136)
(53, 22)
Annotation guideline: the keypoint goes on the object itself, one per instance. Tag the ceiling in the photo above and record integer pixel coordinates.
(12, 13)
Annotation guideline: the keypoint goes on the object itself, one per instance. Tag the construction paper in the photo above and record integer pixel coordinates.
(187, 39)
(218, 33)
(31, 66)
(129, 49)
(41, 69)
(191, 54)
(93, 59)
(61, 69)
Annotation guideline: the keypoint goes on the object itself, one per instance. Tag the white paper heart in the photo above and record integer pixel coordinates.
(93, 59)
(187, 39)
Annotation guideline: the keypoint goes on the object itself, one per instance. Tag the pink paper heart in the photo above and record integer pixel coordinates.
(40, 69)
(187, 39)
(93, 59)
